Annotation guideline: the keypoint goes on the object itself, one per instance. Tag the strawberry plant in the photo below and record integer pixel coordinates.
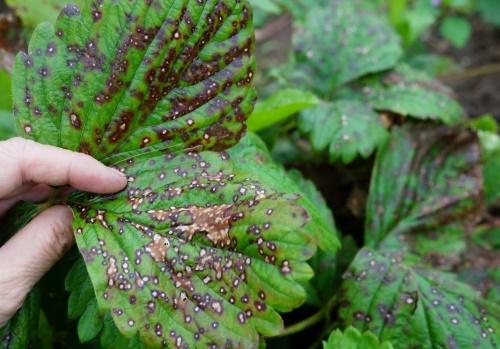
(225, 236)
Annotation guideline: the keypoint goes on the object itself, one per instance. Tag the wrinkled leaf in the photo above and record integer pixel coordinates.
(346, 128)
(415, 308)
(412, 93)
(34, 12)
(279, 107)
(22, 330)
(122, 77)
(351, 338)
(425, 177)
(202, 248)
(343, 41)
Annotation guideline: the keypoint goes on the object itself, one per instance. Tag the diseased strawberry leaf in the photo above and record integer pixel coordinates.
(351, 338)
(414, 307)
(425, 178)
(346, 128)
(203, 248)
(343, 41)
(122, 77)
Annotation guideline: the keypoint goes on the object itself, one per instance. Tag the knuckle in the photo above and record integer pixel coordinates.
(58, 239)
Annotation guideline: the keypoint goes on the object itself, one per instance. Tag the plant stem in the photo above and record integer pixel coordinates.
(310, 321)
(475, 72)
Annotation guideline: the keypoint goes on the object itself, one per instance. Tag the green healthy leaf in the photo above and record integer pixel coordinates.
(214, 247)
(425, 176)
(412, 93)
(490, 11)
(351, 338)
(21, 331)
(456, 30)
(91, 323)
(486, 123)
(490, 144)
(343, 41)
(417, 20)
(80, 288)
(415, 308)
(125, 77)
(7, 128)
(268, 6)
(5, 90)
(34, 12)
(279, 107)
(347, 128)
(491, 186)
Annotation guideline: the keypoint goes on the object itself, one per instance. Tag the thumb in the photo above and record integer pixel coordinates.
(29, 254)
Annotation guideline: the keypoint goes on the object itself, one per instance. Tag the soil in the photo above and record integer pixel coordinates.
(478, 86)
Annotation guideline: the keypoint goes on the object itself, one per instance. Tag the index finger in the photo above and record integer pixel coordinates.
(23, 161)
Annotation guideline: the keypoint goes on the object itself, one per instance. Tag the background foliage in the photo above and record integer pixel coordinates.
(355, 120)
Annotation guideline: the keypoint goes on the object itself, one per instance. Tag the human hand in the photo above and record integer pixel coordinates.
(27, 170)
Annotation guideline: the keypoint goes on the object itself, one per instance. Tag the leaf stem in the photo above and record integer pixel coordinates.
(475, 72)
(310, 321)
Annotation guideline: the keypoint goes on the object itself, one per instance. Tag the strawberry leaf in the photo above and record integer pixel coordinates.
(346, 128)
(425, 177)
(414, 307)
(412, 93)
(203, 248)
(122, 77)
(343, 41)
(351, 338)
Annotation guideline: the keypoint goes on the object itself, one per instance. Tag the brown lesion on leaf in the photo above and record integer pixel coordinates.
(214, 221)
(111, 271)
(158, 248)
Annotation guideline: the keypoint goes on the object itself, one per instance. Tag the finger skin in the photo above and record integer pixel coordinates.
(23, 161)
(27, 256)
(35, 194)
